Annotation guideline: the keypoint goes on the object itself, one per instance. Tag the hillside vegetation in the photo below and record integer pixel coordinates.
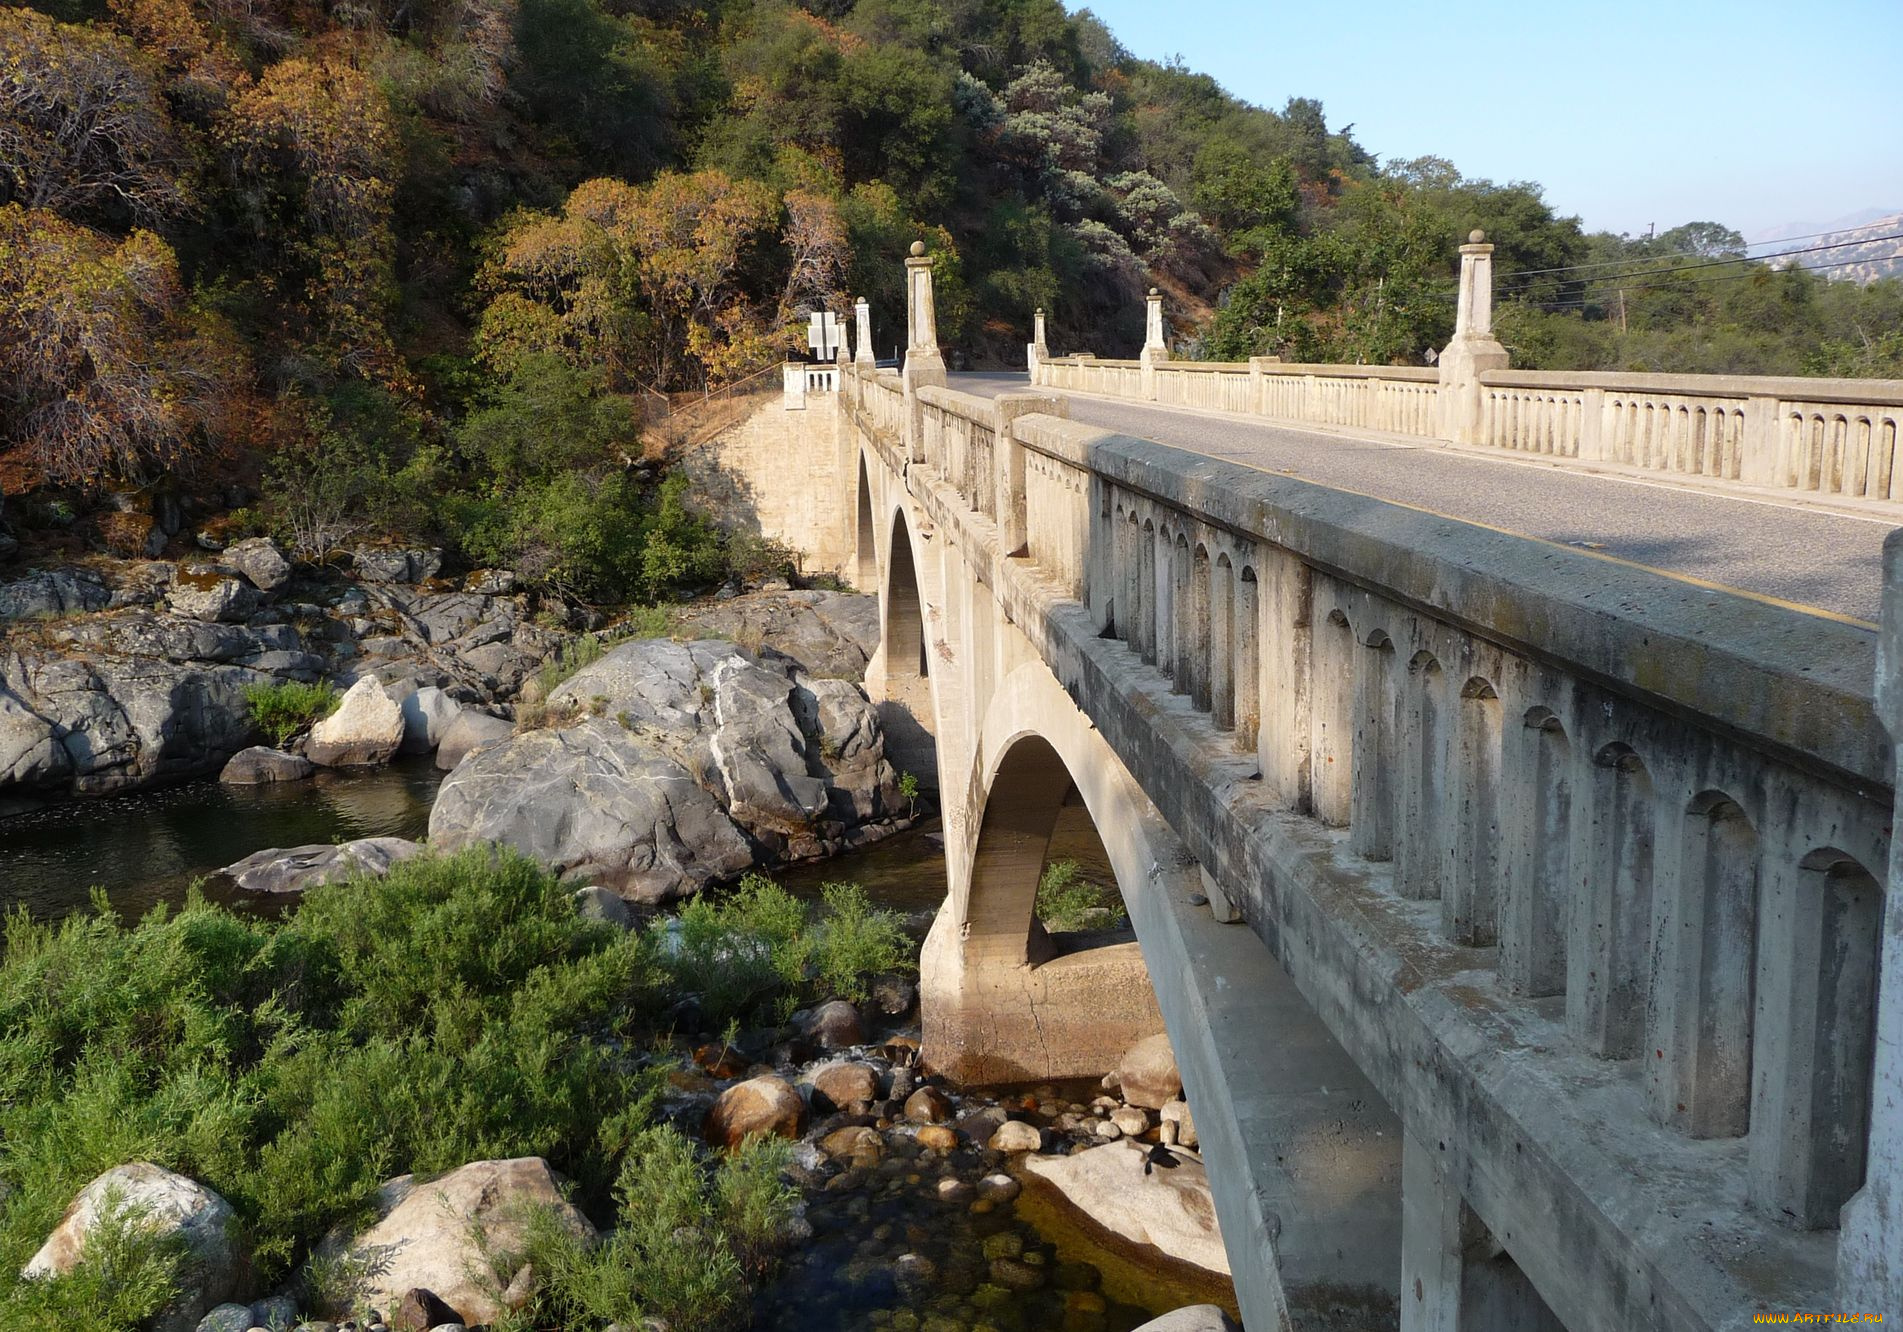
(415, 265)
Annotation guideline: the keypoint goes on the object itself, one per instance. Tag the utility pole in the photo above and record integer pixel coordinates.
(1622, 310)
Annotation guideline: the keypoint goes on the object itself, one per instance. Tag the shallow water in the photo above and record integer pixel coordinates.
(147, 847)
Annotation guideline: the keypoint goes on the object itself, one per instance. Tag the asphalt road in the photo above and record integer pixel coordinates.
(1811, 557)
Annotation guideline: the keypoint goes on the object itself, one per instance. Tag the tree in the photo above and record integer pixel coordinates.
(104, 368)
(645, 281)
(83, 126)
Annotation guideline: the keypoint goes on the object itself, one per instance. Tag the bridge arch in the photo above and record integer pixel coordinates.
(1310, 1213)
(865, 530)
(902, 676)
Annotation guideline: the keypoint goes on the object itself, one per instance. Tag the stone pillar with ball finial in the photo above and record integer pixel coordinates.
(924, 363)
(1473, 351)
(1039, 351)
(1155, 349)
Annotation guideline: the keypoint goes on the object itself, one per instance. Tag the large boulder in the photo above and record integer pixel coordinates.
(760, 1107)
(1168, 1209)
(296, 868)
(595, 801)
(260, 561)
(1147, 1073)
(460, 1237)
(261, 765)
(828, 635)
(207, 592)
(428, 713)
(471, 730)
(51, 593)
(165, 1204)
(365, 729)
(673, 765)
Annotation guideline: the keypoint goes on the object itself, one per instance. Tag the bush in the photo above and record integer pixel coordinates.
(690, 1239)
(759, 953)
(283, 708)
(457, 1010)
(1068, 901)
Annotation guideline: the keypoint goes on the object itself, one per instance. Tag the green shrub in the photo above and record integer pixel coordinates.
(1066, 900)
(458, 1009)
(759, 952)
(283, 708)
(855, 942)
(568, 659)
(127, 1274)
(689, 1241)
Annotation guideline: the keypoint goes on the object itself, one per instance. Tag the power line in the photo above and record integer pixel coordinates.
(1702, 282)
(1640, 271)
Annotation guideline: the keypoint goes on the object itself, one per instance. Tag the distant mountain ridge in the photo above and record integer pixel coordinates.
(1870, 250)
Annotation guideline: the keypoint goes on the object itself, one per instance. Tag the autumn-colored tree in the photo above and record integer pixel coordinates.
(642, 281)
(313, 142)
(104, 367)
(818, 253)
(83, 125)
(198, 68)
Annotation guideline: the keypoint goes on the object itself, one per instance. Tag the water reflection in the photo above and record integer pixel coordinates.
(147, 847)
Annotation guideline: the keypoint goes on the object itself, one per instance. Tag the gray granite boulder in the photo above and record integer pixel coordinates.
(261, 765)
(208, 592)
(260, 561)
(428, 713)
(296, 868)
(471, 730)
(53, 592)
(826, 634)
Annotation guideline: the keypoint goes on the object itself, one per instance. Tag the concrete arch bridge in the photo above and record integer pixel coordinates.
(1520, 920)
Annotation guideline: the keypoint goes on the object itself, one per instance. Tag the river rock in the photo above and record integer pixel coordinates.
(760, 1107)
(261, 765)
(596, 801)
(445, 1235)
(365, 729)
(428, 714)
(1014, 1135)
(396, 566)
(1147, 1075)
(928, 1105)
(1170, 1210)
(834, 1025)
(471, 729)
(1131, 1121)
(598, 904)
(855, 1143)
(207, 592)
(999, 1188)
(297, 868)
(844, 1083)
(166, 1204)
(53, 592)
(228, 1318)
(260, 561)
(1193, 1318)
(1176, 1113)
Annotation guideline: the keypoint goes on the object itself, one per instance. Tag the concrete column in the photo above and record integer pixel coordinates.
(1761, 456)
(1038, 352)
(924, 365)
(1286, 599)
(1455, 1277)
(1008, 461)
(1473, 351)
(793, 386)
(1870, 1250)
(862, 320)
(1155, 350)
(1259, 383)
(1592, 426)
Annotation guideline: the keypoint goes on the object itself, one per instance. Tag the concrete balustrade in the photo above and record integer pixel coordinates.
(1829, 437)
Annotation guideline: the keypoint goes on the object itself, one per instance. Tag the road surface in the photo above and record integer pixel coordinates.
(1814, 558)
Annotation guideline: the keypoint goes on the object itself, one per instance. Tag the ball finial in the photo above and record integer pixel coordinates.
(1476, 236)
(1155, 292)
(918, 249)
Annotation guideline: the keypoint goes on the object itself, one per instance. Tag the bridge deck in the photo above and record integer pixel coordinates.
(1814, 558)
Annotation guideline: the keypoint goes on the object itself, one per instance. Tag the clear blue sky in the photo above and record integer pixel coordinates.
(1749, 113)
